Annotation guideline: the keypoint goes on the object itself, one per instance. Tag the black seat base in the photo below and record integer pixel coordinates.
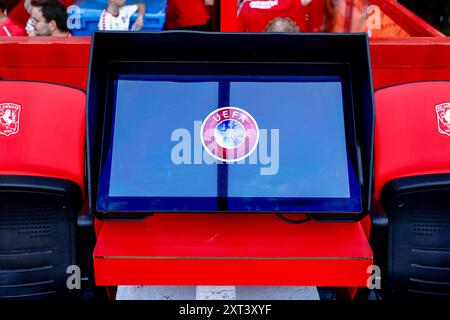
(418, 261)
(37, 236)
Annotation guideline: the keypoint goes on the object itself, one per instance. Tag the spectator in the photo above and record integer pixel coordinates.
(29, 25)
(255, 15)
(282, 25)
(188, 15)
(8, 27)
(344, 16)
(49, 18)
(117, 16)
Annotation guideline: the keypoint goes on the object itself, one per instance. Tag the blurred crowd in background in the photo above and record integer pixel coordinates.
(59, 17)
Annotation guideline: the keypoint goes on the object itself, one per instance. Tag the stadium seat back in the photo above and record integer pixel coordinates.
(42, 136)
(412, 182)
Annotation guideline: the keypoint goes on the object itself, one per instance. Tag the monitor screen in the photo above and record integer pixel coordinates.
(263, 143)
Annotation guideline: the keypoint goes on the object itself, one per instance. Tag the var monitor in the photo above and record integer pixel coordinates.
(230, 138)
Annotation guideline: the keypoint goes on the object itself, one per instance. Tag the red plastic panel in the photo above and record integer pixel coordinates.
(407, 137)
(50, 59)
(66, 60)
(231, 272)
(51, 131)
(396, 61)
(238, 249)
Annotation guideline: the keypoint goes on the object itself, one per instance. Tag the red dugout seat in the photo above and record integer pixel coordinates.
(408, 141)
(412, 182)
(42, 137)
(51, 133)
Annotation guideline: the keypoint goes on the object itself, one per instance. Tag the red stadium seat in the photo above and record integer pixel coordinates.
(42, 137)
(412, 182)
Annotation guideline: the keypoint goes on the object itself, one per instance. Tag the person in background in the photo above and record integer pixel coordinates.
(49, 18)
(8, 27)
(188, 15)
(117, 15)
(282, 25)
(29, 25)
(353, 16)
(254, 15)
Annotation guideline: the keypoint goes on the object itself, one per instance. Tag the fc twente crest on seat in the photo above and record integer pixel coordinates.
(9, 118)
(443, 117)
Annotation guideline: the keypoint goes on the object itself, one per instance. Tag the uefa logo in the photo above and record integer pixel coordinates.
(229, 134)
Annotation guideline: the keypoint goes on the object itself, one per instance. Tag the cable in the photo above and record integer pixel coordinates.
(279, 215)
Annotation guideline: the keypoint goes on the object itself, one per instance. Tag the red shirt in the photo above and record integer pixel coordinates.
(9, 28)
(186, 13)
(255, 15)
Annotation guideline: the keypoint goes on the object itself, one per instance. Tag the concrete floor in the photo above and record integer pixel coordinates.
(216, 293)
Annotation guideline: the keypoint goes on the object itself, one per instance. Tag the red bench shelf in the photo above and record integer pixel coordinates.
(231, 249)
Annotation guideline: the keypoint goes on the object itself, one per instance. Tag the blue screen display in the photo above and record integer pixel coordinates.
(288, 135)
